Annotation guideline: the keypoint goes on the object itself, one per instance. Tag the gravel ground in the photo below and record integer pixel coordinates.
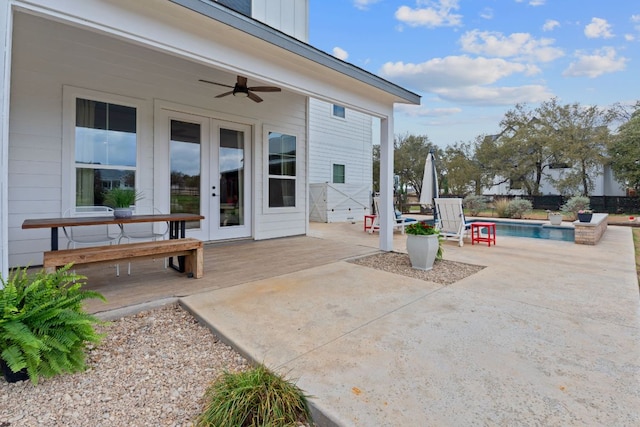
(151, 369)
(443, 272)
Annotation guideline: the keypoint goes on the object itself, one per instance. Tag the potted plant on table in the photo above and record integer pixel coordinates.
(43, 327)
(423, 245)
(121, 199)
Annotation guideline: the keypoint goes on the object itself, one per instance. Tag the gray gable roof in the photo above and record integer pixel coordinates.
(269, 34)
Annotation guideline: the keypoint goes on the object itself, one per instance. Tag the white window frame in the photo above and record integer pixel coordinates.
(333, 165)
(333, 115)
(69, 96)
(298, 204)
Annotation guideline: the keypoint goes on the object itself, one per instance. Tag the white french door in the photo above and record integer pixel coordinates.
(209, 173)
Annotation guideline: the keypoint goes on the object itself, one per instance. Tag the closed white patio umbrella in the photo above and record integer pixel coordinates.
(429, 184)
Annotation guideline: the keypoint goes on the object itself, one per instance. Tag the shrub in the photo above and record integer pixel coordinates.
(43, 327)
(502, 207)
(252, 398)
(517, 208)
(475, 204)
(575, 204)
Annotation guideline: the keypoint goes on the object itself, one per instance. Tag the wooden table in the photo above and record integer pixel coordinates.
(177, 225)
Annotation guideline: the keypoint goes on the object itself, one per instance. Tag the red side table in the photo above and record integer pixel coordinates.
(477, 237)
(368, 221)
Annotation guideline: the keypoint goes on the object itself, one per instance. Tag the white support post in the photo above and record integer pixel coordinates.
(386, 183)
(6, 28)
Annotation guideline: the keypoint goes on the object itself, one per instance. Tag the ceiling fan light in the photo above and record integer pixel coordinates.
(241, 94)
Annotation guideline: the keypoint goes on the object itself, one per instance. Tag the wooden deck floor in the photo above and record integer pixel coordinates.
(225, 265)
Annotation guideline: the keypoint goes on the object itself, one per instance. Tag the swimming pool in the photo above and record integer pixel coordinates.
(532, 230)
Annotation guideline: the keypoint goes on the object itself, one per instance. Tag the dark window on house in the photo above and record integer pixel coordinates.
(338, 174)
(338, 111)
(242, 6)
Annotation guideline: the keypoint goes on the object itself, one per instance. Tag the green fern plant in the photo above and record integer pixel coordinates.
(43, 326)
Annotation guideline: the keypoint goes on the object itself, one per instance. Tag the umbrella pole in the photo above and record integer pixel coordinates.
(435, 187)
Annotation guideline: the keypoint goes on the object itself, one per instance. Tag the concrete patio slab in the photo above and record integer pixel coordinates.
(547, 334)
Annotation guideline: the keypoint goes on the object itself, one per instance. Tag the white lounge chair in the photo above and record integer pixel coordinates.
(451, 221)
(400, 222)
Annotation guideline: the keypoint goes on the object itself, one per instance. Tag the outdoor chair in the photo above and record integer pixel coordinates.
(451, 222)
(94, 234)
(400, 222)
(147, 231)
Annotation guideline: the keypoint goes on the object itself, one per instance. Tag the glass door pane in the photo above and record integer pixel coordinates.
(231, 155)
(185, 154)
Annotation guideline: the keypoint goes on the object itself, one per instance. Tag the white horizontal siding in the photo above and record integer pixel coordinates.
(344, 141)
(49, 56)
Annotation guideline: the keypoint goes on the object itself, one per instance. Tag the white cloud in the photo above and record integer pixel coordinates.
(629, 37)
(635, 18)
(537, 2)
(364, 4)
(516, 45)
(466, 80)
(600, 62)
(437, 14)
(451, 71)
(480, 95)
(550, 25)
(420, 111)
(598, 28)
(486, 13)
(340, 53)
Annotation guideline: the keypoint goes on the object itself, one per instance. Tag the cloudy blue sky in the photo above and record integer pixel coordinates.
(472, 60)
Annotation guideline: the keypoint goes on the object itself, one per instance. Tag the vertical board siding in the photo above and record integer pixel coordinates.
(49, 56)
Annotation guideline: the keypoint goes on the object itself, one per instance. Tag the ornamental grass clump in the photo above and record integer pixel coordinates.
(254, 398)
(43, 326)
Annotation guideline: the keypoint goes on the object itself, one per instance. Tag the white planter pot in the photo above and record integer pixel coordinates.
(555, 219)
(422, 250)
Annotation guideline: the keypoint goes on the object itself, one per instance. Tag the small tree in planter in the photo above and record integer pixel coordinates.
(43, 327)
(423, 245)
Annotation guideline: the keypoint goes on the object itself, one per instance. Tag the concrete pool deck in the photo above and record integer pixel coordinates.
(547, 334)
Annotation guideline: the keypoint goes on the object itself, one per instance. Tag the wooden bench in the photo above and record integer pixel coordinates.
(191, 249)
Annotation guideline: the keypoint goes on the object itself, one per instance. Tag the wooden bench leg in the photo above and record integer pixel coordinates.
(194, 263)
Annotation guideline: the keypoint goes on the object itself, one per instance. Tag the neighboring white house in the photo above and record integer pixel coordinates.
(92, 89)
(605, 184)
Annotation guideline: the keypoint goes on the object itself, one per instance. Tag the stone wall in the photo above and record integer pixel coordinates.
(590, 233)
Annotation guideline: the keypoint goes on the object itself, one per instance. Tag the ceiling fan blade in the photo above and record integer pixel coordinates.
(224, 94)
(215, 83)
(254, 97)
(265, 89)
(242, 81)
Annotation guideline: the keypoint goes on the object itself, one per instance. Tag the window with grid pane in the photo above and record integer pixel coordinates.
(105, 149)
(282, 170)
(338, 174)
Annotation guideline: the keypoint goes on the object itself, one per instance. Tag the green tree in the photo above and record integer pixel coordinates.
(625, 152)
(409, 158)
(465, 173)
(578, 136)
(376, 167)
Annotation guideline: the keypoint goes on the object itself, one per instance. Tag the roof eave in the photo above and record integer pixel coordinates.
(277, 38)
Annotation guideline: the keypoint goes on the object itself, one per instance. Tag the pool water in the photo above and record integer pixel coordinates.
(533, 230)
